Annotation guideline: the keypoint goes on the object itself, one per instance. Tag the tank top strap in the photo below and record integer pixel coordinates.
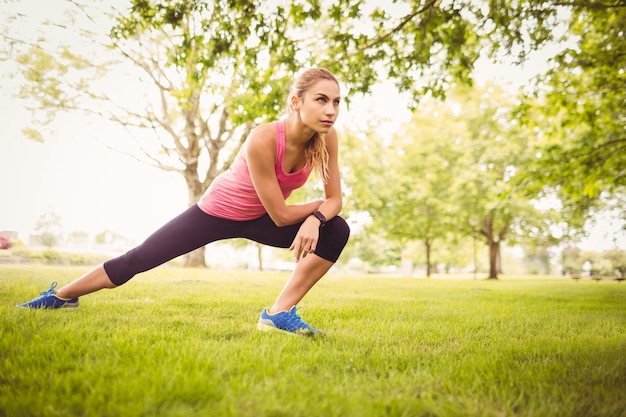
(281, 138)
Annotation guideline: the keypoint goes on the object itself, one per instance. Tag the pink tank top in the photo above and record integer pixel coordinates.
(232, 196)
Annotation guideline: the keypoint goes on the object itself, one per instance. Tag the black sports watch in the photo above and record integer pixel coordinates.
(320, 217)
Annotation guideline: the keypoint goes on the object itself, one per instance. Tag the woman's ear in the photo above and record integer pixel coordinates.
(295, 103)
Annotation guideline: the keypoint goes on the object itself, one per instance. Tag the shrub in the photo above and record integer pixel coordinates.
(51, 255)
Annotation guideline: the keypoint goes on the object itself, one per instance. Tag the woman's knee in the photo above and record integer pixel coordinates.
(333, 238)
(340, 229)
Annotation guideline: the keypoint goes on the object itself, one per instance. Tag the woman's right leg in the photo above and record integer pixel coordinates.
(92, 281)
(190, 230)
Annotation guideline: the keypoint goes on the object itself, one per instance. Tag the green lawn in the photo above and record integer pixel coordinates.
(177, 342)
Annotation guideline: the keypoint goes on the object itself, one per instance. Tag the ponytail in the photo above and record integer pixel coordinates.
(315, 152)
(316, 155)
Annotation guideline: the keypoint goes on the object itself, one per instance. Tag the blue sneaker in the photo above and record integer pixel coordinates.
(288, 321)
(49, 300)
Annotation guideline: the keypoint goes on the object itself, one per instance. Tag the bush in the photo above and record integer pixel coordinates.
(5, 243)
(51, 256)
(612, 262)
(27, 254)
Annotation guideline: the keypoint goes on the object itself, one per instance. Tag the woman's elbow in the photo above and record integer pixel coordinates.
(338, 204)
(279, 221)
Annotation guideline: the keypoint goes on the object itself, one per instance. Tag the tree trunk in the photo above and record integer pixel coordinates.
(493, 241)
(428, 268)
(192, 153)
(195, 259)
(260, 256)
(494, 248)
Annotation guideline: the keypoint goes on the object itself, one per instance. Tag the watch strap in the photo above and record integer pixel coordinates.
(320, 217)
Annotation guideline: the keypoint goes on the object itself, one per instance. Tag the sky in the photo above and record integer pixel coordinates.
(74, 173)
(94, 188)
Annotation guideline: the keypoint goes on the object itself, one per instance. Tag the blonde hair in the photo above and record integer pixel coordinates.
(315, 151)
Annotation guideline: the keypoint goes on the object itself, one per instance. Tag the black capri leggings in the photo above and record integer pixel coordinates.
(194, 228)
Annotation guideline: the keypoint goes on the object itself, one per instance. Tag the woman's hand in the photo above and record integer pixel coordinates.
(306, 239)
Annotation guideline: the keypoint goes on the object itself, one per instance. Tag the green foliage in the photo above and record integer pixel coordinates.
(451, 173)
(578, 128)
(24, 255)
(184, 343)
(425, 47)
(617, 259)
(609, 263)
(214, 69)
(371, 251)
(208, 72)
(421, 46)
(579, 110)
(363, 169)
(246, 52)
(241, 46)
(48, 228)
(51, 255)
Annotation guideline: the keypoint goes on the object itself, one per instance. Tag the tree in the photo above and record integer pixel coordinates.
(212, 70)
(426, 46)
(571, 262)
(48, 228)
(610, 262)
(420, 177)
(579, 110)
(488, 198)
(242, 243)
(449, 174)
(617, 258)
(365, 164)
(209, 64)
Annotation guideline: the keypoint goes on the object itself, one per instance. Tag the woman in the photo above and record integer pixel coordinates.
(248, 201)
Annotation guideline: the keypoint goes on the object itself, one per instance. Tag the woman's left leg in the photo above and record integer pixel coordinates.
(305, 275)
(310, 269)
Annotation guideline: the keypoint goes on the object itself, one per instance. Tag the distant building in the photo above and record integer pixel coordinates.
(8, 234)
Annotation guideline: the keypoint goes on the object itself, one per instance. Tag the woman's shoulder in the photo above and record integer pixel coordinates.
(261, 141)
(262, 133)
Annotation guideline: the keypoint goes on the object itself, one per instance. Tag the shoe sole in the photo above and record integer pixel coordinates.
(299, 332)
(66, 305)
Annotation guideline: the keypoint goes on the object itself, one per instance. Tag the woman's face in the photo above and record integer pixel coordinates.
(319, 107)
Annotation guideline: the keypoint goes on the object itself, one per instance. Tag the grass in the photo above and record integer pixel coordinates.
(177, 342)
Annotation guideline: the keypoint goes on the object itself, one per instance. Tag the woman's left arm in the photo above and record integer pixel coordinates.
(308, 235)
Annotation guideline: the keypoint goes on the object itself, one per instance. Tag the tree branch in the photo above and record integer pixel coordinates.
(408, 18)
